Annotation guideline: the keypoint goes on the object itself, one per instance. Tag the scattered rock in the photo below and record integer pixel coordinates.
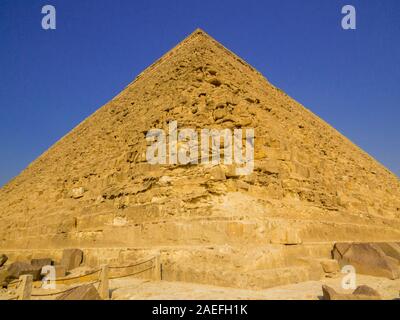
(391, 249)
(41, 262)
(363, 294)
(367, 258)
(339, 250)
(85, 292)
(18, 269)
(367, 291)
(217, 174)
(71, 258)
(330, 265)
(78, 192)
(328, 293)
(59, 270)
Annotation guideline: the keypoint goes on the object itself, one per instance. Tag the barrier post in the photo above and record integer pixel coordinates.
(25, 288)
(157, 267)
(104, 286)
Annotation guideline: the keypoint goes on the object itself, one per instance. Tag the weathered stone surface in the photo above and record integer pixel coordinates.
(340, 249)
(17, 269)
(85, 292)
(328, 293)
(286, 236)
(94, 188)
(59, 270)
(362, 294)
(329, 265)
(41, 262)
(367, 258)
(391, 249)
(77, 193)
(3, 259)
(72, 258)
(367, 291)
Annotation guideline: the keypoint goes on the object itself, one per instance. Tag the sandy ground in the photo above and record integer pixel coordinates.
(138, 289)
(132, 289)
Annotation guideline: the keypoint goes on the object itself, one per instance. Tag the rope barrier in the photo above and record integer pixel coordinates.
(131, 274)
(132, 265)
(77, 277)
(60, 292)
(98, 281)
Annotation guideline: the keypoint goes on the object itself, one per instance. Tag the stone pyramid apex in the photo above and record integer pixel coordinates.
(95, 186)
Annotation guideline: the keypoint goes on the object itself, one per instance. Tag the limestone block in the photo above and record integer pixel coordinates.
(59, 270)
(330, 265)
(71, 258)
(235, 229)
(361, 293)
(367, 258)
(66, 225)
(17, 269)
(367, 291)
(242, 185)
(286, 236)
(268, 166)
(217, 173)
(94, 222)
(391, 249)
(77, 193)
(300, 169)
(41, 262)
(315, 270)
(85, 292)
(339, 250)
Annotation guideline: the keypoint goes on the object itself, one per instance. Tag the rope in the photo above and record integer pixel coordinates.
(60, 292)
(132, 265)
(131, 274)
(77, 277)
(94, 282)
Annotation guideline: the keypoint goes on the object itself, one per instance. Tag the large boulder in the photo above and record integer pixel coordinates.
(330, 265)
(367, 291)
(41, 262)
(367, 258)
(85, 292)
(339, 250)
(361, 293)
(18, 269)
(59, 271)
(71, 258)
(391, 249)
(3, 259)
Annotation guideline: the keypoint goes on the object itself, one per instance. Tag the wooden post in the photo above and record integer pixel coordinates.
(157, 267)
(25, 287)
(104, 286)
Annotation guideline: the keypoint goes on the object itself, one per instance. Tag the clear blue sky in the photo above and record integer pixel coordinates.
(51, 80)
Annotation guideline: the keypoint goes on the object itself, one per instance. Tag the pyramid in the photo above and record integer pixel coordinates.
(95, 189)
